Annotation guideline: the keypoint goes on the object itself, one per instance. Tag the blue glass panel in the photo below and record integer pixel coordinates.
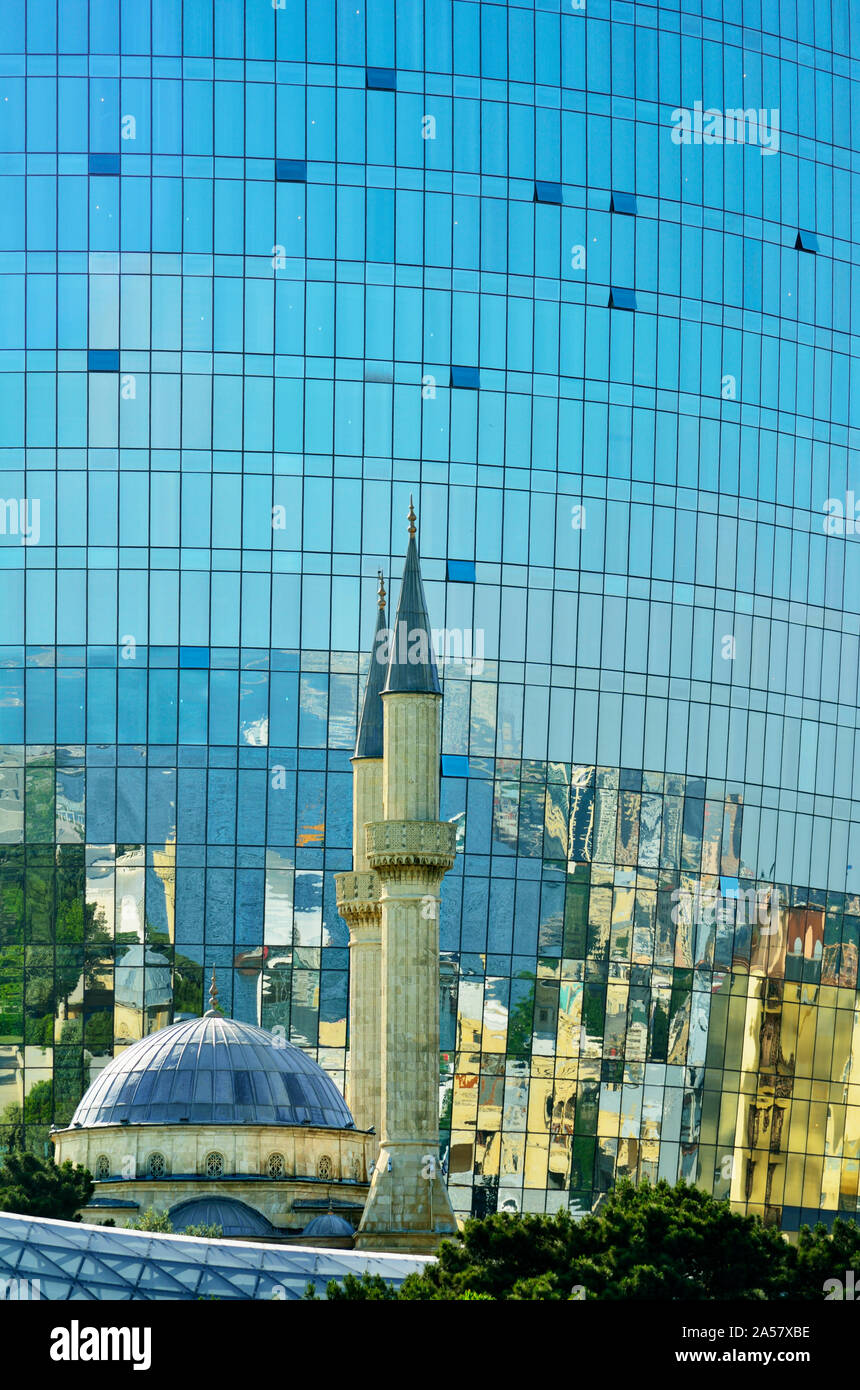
(469, 377)
(291, 170)
(623, 202)
(454, 765)
(382, 79)
(103, 360)
(103, 164)
(621, 298)
(806, 241)
(461, 571)
(548, 192)
(194, 657)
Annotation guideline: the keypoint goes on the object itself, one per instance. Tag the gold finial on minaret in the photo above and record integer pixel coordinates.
(411, 517)
(381, 590)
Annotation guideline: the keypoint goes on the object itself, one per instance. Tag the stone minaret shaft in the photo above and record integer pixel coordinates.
(358, 901)
(410, 850)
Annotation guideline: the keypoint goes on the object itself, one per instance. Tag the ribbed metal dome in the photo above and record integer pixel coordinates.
(213, 1070)
(329, 1225)
(234, 1217)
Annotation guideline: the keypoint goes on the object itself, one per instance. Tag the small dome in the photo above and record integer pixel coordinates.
(213, 1070)
(328, 1225)
(235, 1218)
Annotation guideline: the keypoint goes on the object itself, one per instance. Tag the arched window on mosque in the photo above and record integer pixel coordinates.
(325, 1168)
(102, 1168)
(157, 1165)
(275, 1166)
(214, 1165)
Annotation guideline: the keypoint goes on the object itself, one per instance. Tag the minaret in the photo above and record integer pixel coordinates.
(358, 897)
(410, 849)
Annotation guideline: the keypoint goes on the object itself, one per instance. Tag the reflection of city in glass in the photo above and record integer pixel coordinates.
(585, 289)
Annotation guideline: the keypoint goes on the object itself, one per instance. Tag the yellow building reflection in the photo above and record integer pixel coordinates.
(796, 1137)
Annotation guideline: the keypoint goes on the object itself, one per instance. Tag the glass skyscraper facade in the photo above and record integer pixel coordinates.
(582, 278)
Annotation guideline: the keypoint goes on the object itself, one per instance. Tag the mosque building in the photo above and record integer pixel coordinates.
(221, 1123)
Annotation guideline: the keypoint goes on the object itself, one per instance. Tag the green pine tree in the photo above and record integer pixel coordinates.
(35, 1186)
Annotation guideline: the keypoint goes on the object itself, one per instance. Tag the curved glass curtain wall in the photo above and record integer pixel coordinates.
(265, 273)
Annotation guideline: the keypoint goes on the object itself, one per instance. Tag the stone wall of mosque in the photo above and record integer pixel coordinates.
(269, 1167)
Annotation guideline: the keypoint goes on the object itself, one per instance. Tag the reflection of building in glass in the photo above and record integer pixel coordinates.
(164, 867)
(143, 993)
(795, 1147)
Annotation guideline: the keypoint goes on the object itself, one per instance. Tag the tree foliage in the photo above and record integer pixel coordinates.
(369, 1288)
(647, 1242)
(34, 1186)
(160, 1222)
(152, 1220)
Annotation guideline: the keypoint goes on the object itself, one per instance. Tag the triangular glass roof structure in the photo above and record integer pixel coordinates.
(153, 1266)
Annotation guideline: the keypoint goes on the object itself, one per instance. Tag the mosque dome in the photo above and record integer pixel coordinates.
(329, 1225)
(235, 1218)
(213, 1070)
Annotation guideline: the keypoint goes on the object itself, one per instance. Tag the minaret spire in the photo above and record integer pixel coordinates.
(368, 743)
(411, 663)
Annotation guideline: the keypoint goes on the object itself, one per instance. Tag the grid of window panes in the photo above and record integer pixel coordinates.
(581, 277)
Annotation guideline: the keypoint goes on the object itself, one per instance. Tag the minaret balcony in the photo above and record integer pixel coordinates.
(357, 896)
(404, 843)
